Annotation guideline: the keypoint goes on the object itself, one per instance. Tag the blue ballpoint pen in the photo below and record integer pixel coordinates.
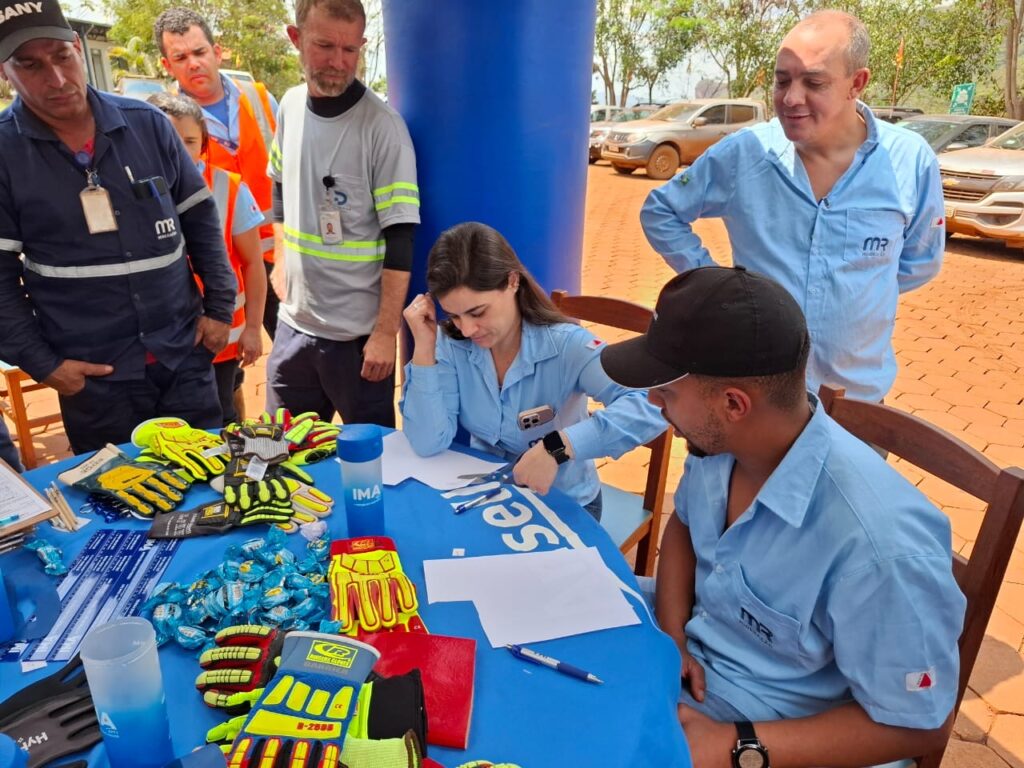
(478, 500)
(546, 661)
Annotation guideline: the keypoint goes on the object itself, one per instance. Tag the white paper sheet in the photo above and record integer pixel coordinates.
(533, 596)
(17, 499)
(441, 471)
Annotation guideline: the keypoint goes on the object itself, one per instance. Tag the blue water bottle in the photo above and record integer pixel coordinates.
(359, 450)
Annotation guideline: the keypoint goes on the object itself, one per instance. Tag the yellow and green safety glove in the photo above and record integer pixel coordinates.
(263, 501)
(369, 590)
(304, 714)
(201, 454)
(146, 489)
(309, 504)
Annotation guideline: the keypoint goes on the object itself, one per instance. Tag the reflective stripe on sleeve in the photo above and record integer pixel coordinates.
(235, 334)
(239, 300)
(385, 197)
(193, 200)
(349, 250)
(11, 245)
(108, 270)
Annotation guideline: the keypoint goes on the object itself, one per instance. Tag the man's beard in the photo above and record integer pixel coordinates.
(336, 85)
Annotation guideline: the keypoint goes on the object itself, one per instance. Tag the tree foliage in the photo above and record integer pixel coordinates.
(132, 58)
(742, 38)
(251, 34)
(637, 42)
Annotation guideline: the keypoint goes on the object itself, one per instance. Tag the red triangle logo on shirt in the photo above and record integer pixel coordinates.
(925, 681)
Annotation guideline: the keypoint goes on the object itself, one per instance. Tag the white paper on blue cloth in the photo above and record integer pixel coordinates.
(440, 471)
(528, 597)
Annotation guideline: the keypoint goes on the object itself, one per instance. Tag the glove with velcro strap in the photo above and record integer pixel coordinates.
(369, 590)
(307, 708)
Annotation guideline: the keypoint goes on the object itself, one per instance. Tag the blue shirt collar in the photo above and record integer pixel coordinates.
(535, 345)
(107, 116)
(784, 149)
(787, 492)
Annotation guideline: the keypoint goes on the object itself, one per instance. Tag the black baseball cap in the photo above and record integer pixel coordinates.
(24, 20)
(713, 321)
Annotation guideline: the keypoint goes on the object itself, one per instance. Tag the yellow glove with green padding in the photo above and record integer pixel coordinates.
(145, 488)
(198, 452)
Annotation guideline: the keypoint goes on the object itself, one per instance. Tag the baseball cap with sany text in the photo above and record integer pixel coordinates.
(713, 321)
(25, 20)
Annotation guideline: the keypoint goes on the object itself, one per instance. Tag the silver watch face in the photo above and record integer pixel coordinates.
(750, 758)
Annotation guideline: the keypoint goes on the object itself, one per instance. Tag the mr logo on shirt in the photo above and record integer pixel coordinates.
(875, 246)
(165, 228)
(759, 630)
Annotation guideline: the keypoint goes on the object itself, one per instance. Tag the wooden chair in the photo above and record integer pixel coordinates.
(631, 520)
(12, 391)
(947, 457)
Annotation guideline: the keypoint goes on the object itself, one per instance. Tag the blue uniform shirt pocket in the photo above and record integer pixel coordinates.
(776, 632)
(873, 237)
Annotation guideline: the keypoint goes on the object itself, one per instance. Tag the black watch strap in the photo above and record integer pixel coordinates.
(553, 444)
(745, 730)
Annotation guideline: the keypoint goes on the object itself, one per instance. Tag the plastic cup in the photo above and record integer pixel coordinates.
(123, 670)
(359, 452)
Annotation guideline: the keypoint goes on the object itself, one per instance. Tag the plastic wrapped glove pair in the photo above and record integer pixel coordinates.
(144, 488)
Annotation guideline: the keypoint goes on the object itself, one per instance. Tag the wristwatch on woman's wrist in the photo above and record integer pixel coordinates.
(749, 752)
(554, 445)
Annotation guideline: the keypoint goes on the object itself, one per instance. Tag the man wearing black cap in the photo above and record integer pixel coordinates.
(808, 585)
(111, 217)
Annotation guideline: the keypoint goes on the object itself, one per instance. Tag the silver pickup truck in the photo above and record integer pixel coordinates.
(677, 134)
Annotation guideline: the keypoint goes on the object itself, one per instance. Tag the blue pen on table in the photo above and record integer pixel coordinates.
(9, 519)
(478, 500)
(546, 661)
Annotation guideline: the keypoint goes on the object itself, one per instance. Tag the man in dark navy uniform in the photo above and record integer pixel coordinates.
(104, 224)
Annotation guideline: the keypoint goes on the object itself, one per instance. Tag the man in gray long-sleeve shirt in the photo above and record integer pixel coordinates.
(104, 224)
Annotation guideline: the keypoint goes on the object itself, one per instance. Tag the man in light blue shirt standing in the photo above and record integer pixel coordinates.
(808, 586)
(842, 209)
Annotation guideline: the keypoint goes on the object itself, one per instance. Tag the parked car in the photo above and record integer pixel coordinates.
(946, 133)
(895, 114)
(677, 134)
(983, 188)
(603, 112)
(599, 129)
(139, 86)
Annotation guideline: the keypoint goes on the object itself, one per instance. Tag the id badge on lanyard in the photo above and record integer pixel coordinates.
(330, 215)
(96, 206)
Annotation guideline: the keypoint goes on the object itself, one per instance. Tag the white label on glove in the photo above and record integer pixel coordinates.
(219, 450)
(257, 468)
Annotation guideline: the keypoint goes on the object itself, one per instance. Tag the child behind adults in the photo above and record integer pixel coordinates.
(506, 350)
(808, 586)
(241, 218)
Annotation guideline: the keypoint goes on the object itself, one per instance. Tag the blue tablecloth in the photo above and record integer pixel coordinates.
(522, 713)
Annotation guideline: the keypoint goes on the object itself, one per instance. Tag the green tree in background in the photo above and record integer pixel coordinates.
(133, 58)
(637, 42)
(943, 44)
(742, 37)
(671, 37)
(251, 33)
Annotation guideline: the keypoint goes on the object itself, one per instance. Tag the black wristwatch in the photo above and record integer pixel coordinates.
(749, 752)
(553, 444)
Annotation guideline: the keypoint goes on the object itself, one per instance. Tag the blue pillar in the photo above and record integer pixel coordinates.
(496, 94)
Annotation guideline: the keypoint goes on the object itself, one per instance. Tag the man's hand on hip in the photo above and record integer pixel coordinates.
(378, 356)
(213, 334)
(69, 377)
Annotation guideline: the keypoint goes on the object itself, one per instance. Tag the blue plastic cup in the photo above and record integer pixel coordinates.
(359, 452)
(123, 670)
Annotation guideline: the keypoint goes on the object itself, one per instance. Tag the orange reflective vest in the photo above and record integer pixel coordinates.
(224, 186)
(256, 126)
